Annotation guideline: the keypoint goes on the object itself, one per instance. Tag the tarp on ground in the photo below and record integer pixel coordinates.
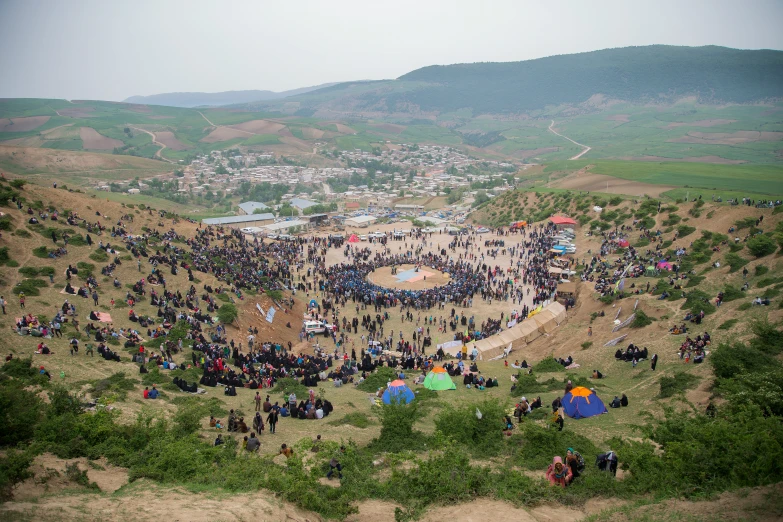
(438, 379)
(397, 392)
(582, 402)
(566, 288)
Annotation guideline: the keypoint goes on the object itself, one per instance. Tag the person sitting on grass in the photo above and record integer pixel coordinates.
(285, 450)
(253, 444)
(559, 474)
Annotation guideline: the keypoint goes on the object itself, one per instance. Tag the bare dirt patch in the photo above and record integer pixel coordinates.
(601, 183)
(622, 118)
(93, 139)
(224, 134)
(63, 131)
(22, 124)
(344, 129)
(388, 127)
(77, 112)
(49, 476)
(699, 123)
(383, 277)
(728, 138)
(169, 140)
(259, 126)
(31, 160)
(311, 133)
(692, 159)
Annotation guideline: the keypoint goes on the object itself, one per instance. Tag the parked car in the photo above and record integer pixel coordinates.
(317, 327)
(482, 230)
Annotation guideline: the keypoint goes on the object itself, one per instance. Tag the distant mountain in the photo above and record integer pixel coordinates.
(656, 73)
(217, 99)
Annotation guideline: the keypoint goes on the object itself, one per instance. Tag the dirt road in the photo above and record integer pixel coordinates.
(155, 141)
(586, 148)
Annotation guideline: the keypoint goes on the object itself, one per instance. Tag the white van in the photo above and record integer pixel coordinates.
(317, 327)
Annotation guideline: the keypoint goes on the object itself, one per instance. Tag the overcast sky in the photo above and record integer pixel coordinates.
(112, 49)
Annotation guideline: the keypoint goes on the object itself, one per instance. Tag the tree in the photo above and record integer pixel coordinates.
(761, 245)
(227, 313)
(481, 197)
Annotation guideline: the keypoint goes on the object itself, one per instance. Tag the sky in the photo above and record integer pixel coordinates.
(112, 49)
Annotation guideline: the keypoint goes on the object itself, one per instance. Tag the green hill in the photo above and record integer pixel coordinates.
(639, 74)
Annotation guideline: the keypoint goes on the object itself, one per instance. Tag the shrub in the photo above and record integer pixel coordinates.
(41, 252)
(730, 294)
(762, 245)
(539, 445)
(729, 360)
(641, 320)
(99, 256)
(274, 295)
(28, 271)
(227, 313)
(586, 345)
(481, 436)
(20, 411)
(377, 379)
(355, 418)
(5, 222)
(289, 385)
(548, 364)
(697, 301)
(5, 257)
(77, 240)
(30, 287)
(768, 336)
(685, 230)
(677, 383)
(14, 468)
(18, 183)
(117, 385)
(397, 432)
(726, 325)
(761, 270)
(735, 262)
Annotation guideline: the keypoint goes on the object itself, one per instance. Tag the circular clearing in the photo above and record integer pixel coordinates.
(407, 278)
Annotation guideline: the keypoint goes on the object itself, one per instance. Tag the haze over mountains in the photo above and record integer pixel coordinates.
(217, 99)
(656, 73)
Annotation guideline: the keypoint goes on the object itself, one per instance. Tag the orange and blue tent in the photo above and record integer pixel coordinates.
(397, 392)
(582, 402)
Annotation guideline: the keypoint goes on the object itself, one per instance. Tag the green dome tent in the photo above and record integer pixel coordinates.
(438, 379)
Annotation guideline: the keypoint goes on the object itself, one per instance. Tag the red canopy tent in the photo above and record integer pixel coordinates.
(623, 243)
(562, 220)
(353, 239)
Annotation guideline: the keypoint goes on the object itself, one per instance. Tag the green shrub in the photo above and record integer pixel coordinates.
(640, 320)
(547, 365)
(28, 271)
(117, 385)
(761, 270)
(735, 262)
(762, 245)
(586, 345)
(99, 256)
(30, 287)
(539, 445)
(697, 301)
(378, 379)
(677, 383)
(729, 360)
(41, 252)
(289, 385)
(726, 325)
(397, 433)
(730, 294)
(482, 436)
(14, 468)
(355, 418)
(227, 313)
(744, 306)
(5, 222)
(685, 230)
(768, 336)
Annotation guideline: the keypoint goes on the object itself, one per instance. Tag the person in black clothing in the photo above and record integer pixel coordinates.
(654, 362)
(556, 404)
(272, 419)
(624, 400)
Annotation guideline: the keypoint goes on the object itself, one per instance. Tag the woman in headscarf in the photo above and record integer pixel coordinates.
(559, 474)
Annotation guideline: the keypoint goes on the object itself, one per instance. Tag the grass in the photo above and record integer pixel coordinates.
(727, 325)
(677, 384)
(356, 419)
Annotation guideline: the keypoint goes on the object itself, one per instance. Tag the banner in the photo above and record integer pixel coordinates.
(260, 310)
(271, 314)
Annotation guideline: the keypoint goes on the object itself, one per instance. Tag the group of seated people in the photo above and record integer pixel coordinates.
(679, 329)
(524, 407)
(695, 348)
(310, 410)
(478, 381)
(107, 354)
(81, 292)
(183, 385)
(618, 402)
(632, 353)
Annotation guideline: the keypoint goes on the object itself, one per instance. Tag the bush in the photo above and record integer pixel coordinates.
(28, 271)
(378, 379)
(768, 336)
(728, 324)
(640, 320)
(30, 287)
(729, 360)
(730, 294)
(355, 418)
(397, 432)
(227, 313)
(676, 384)
(482, 436)
(685, 230)
(85, 269)
(41, 252)
(761, 270)
(735, 262)
(115, 385)
(697, 301)
(540, 444)
(99, 256)
(14, 468)
(548, 364)
(18, 183)
(20, 411)
(289, 385)
(274, 295)
(762, 245)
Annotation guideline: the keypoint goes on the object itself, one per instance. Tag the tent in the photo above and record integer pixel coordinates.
(582, 402)
(664, 265)
(650, 271)
(353, 239)
(562, 220)
(438, 379)
(623, 243)
(397, 392)
(313, 303)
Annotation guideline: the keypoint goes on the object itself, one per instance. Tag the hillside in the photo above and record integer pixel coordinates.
(217, 99)
(436, 458)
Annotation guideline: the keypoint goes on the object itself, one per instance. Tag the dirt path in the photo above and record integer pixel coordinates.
(202, 115)
(587, 149)
(155, 141)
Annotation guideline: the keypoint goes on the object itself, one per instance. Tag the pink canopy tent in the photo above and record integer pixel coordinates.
(664, 265)
(353, 239)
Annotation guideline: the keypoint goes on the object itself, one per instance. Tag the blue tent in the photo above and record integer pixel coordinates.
(313, 303)
(398, 392)
(582, 402)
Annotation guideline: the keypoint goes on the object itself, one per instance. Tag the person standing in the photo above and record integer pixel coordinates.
(2, 303)
(258, 401)
(272, 419)
(21, 300)
(95, 297)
